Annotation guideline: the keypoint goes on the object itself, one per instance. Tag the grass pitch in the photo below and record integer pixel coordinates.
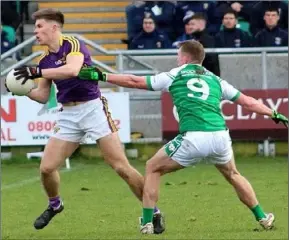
(198, 203)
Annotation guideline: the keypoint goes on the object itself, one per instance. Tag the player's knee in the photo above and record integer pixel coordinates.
(151, 167)
(45, 169)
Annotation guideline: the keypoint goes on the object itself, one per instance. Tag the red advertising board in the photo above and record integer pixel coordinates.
(242, 123)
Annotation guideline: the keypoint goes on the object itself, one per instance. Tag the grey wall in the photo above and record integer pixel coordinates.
(242, 70)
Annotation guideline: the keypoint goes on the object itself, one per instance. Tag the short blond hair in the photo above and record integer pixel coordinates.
(194, 49)
(49, 14)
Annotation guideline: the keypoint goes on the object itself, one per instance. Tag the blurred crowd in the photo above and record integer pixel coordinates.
(162, 24)
(221, 24)
(12, 13)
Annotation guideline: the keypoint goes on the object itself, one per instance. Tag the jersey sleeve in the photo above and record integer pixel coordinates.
(159, 82)
(229, 92)
(74, 46)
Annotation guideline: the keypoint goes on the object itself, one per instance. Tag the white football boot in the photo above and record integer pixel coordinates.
(147, 229)
(267, 222)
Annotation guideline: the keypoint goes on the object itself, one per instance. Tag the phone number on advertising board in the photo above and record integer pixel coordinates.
(41, 126)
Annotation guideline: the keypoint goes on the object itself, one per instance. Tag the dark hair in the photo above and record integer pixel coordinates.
(197, 16)
(231, 11)
(49, 14)
(148, 15)
(272, 9)
(194, 49)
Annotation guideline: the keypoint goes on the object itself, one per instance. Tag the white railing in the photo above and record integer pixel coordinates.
(21, 62)
(18, 48)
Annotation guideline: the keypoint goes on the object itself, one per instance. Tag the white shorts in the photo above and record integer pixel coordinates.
(91, 119)
(192, 147)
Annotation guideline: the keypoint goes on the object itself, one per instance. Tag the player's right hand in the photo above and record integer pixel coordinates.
(27, 73)
(91, 73)
(278, 117)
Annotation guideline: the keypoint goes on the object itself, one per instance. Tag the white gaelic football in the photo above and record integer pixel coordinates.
(16, 87)
(176, 115)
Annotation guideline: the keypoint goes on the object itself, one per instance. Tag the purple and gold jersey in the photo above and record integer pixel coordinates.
(72, 89)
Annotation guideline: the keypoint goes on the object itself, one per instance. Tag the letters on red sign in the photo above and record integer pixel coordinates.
(10, 114)
(237, 118)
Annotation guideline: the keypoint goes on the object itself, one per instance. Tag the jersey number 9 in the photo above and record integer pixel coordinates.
(199, 88)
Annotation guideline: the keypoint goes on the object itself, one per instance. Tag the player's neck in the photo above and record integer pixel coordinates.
(55, 44)
(194, 62)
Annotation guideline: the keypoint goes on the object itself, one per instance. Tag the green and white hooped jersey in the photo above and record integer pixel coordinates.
(197, 94)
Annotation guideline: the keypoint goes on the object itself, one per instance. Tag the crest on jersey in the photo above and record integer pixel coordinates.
(237, 42)
(61, 61)
(278, 40)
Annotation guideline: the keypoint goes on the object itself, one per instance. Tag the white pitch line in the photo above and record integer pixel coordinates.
(20, 184)
(32, 180)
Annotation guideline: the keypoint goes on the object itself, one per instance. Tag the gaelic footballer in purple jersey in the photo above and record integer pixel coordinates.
(72, 89)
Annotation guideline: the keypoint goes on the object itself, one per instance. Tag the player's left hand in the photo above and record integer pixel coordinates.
(91, 73)
(278, 117)
(27, 73)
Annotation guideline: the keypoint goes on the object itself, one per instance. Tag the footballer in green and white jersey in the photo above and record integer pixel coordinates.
(196, 93)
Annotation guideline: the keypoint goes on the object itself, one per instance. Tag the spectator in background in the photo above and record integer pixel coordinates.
(258, 12)
(6, 43)
(134, 15)
(242, 8)
(190, 26)
(185, 8)
(150, 37)
(231, 36)
(272, 35)
(9, 15)
(162, 12)
(195, 28)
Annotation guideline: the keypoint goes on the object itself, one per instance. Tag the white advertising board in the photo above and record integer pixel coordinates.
(26, 122)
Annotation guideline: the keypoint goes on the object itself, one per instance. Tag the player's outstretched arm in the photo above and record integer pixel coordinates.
(123, 80)
(256, 106)
(127, 80)
(232, 94)
(253, 105)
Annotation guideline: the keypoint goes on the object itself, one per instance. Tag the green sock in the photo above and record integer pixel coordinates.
(148, 214)
(258, 212)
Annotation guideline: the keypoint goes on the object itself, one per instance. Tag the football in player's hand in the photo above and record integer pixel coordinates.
(16, 87)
